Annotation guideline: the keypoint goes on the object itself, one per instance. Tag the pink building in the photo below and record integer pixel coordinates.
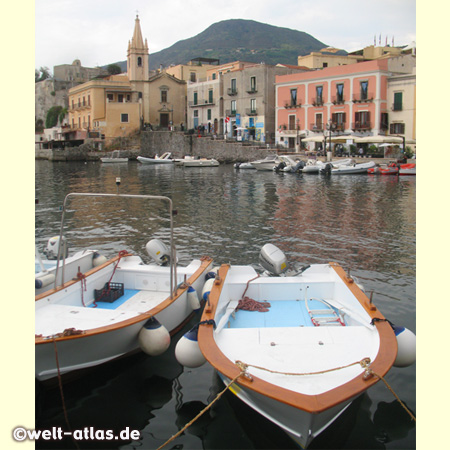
(349, 100)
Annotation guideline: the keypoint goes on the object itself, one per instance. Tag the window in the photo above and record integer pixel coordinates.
(324, 65)
(110, 97)
(233, 107)
(384, 125)
(89, 100)
(209, 114)
(196, 113)
(253, 84)
(293, 97)
(193, 77)
(362, 120)
(253, 105)
(210, 96)
(233, 86)
(214, 76)
(163, 96)
(398, 101)
(139, 94)
(338, 121)
(124, 118)
(120, 98)
(340, 93)
(364, 89)
(397, 128)
(195, 98)
(319, 121)
(139, 61)
(292, 122)
(319, 92)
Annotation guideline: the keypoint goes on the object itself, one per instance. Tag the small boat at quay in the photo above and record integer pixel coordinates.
(407, 169)
(267, 163)
(114, 158)
(314, 166)
(100, 309)
(165, 158)
(351, 168)
(202, 162)
(296, 345)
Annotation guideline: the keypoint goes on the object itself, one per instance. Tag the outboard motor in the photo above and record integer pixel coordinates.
(273, 259)
(53, 244)
(280, 166)
(327, 169)
(158, 251)
(299, 166)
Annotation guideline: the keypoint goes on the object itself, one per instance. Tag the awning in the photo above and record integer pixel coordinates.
(379, 140)
(320, 138)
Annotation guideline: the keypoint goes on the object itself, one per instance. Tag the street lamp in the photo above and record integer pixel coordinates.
(330, 127)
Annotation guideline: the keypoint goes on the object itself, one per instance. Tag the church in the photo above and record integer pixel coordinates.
(117, 106)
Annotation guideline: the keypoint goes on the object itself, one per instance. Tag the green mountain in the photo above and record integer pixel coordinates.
(238, 39)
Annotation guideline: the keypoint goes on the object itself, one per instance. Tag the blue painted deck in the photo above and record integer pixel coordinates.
(128, 293)
(282, 313)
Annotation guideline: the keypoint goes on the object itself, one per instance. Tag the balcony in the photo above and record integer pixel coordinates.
(338, 100)
(289, 129)
(360, 98)
(232, 91)
(316, 127)
(293, 105)
(338, 126)
(361, 126)
(318, 101)
(251, 112)
(200, 103)
(230, 112)
(252, 90)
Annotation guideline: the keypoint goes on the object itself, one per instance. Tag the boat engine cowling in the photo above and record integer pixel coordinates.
(158, 251)
(273, 259)
(52, 249)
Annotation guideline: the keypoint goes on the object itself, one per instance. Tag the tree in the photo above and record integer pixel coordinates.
(42, 74)
(52, 116)
(114, 69)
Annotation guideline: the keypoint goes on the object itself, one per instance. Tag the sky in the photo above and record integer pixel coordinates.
(97, 31)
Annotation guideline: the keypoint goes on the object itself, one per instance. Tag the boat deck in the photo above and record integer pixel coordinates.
(282, 313)
(55, 318)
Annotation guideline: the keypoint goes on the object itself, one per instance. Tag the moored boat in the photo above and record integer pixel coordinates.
(114, 308)
(298, 348)
(165, 158)
(268, 163)
(115, 157)
(201, 162)
(389, 169)
(407, 169)
(352, 168)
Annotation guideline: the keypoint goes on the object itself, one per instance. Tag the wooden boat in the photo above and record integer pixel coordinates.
(302, 361)
(115, 308)
(114, 158)
(407, 169)
(165, 158)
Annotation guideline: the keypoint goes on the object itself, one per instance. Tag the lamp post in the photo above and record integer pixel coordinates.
(330, 126)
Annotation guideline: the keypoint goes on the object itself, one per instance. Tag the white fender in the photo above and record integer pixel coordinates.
(193, 298)
(406, 341)
(154, 338)
(187, 350)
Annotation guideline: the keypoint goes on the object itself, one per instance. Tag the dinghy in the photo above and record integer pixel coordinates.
(352, 168)
(116, 307)
(164, 159)
(296, 345)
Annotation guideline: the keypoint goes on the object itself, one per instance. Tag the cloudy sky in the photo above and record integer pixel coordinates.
(97, 31)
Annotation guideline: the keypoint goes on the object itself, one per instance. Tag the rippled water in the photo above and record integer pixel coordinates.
(365, 223)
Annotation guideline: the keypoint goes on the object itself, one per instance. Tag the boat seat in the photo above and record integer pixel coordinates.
(327, 316)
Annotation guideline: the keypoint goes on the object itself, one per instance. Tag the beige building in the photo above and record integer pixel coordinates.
(194, 71)
(118, 105)
(327, 57)
(76, 73)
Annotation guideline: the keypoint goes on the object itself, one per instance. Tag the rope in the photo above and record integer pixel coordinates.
(82, 277)
(203, 410)
(371, 372)
(62, 393)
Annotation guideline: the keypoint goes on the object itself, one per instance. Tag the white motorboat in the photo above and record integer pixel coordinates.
(202, 162)
(289, 164)
(114, 158)
(267, 163)
(244, 165)
(166, 158)
(352, 168)
(296, 348)
(314, 166)
(110, 310)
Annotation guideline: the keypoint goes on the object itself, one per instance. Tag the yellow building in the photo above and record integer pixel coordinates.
(193, 72)
(118, 105)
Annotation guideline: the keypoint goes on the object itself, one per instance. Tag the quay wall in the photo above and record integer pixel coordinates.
(179, 144)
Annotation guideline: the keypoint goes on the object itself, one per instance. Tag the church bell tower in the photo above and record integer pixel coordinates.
(137, 55)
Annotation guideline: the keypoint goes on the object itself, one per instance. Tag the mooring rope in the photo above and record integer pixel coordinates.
(203, 410)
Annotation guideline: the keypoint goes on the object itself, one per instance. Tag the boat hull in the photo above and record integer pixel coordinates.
(144, 160)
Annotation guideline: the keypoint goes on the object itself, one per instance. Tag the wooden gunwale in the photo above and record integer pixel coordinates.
(313, 404)
(205, 262)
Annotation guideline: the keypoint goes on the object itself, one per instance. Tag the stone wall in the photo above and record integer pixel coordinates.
(179, 144)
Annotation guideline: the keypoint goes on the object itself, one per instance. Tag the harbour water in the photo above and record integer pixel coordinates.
(366, 223)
